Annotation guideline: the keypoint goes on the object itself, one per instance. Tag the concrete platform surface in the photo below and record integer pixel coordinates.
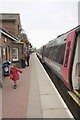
(35, 96)
(47, 101)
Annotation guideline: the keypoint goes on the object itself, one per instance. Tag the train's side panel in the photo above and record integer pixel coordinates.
(69, 70)
(57, 68)
(67, 58)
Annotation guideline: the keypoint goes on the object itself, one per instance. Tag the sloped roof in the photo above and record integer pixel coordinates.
(8, 34)
(12, 16)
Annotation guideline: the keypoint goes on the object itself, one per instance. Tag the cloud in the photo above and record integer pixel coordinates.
(39, 1)
(41, 37)
(43, 20)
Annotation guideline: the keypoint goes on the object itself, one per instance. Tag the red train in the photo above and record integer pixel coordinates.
(62, 55)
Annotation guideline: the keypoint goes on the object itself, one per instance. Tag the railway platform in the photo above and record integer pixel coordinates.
(35, 96)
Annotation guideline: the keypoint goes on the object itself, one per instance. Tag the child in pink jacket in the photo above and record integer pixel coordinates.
(14, 74)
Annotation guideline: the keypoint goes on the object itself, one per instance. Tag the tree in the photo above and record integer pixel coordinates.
(24, 37)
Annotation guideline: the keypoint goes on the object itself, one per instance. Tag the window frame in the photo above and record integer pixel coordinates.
(67, 54)
(16, 54)
(60, 53)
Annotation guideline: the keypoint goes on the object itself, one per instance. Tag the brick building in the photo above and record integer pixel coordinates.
(11, 23)
(11, 49)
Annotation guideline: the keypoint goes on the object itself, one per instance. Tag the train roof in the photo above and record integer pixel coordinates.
(57, 41)
(61, 38)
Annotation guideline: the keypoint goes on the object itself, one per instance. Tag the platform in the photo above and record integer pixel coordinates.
(35, 96)
(44, 99)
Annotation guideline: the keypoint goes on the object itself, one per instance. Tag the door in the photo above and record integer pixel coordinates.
(67, 59)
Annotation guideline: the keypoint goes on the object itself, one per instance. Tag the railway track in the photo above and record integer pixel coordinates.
(73, 107)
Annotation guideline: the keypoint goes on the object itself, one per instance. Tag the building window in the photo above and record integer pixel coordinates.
(15, 54)
(4, 52)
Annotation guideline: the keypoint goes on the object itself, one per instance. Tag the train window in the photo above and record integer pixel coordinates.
(67, 54)
(50, 52)
(47, 52)
(54, 53)
(65, 39)
(60, 53)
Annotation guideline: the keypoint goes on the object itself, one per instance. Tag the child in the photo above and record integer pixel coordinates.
(14, 74)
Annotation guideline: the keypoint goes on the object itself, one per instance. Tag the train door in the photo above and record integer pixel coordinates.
(76, 66)
(67, 59)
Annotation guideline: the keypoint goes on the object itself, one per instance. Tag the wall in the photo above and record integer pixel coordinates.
(7, 48)
(11, 23)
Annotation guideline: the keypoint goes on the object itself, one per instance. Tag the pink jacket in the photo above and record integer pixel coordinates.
(15, 71)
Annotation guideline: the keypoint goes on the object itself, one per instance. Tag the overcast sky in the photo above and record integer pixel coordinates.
(43, 20)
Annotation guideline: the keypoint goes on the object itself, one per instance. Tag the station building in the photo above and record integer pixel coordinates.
(12, 48)
(11, 23)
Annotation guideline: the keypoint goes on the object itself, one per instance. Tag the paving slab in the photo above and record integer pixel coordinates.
(51, 102)
(34, 103)
(46, 90)
(55, 113)
(34, 112)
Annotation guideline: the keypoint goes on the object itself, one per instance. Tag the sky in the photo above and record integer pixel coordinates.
(43, 20)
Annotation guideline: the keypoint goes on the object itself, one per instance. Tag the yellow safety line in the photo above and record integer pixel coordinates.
(74, 99)
(76, 92)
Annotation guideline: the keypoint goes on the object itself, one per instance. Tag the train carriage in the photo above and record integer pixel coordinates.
(62, 56)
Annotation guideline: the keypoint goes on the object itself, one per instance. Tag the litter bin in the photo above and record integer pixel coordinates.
(6, 69)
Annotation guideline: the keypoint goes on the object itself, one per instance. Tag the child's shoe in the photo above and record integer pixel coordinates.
(14, 86)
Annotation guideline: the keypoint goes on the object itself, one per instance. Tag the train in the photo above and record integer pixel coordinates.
(62, 55)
